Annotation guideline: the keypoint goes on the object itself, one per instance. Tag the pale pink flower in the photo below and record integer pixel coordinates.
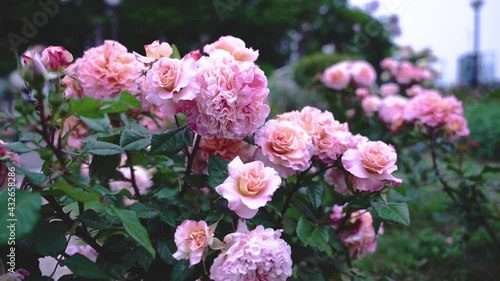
(390, 65)
(84, 250)
(363, 73)
(391, 111)
(285, 146)
(106, 70)
(431, 108)
(362, 93)
(389, 89)
(171, 81)
(192, 239)
(337, 178)
(373, 161)
(457, 125)
(357, 234)
(257, 255)
(47, 264)
(11, 276)
(158, 50)
(73, 87)
(143, 179)
(230, 103)
(414, 90)
(4, 170)
(334, 139)
(56, 57)
(405, 73)
(248, 187)
(76, 129)
(337, 76)
(370, 105)
(234, 46)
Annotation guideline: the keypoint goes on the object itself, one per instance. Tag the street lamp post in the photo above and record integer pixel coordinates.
(476, 5)
(112, 4)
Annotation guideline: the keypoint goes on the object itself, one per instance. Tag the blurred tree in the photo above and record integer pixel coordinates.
(264, 25)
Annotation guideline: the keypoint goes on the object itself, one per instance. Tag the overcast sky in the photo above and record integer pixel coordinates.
(446, 26)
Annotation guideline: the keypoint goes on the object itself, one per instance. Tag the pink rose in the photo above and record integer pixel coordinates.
(391, 111)
(405, 73)
(414, 90)
(231, 99)
(73, 87)
(337, 178)
(362, 93)
(143, 179)
(76, 129)
(358, 235)
(371, 161)
(234, 46)
(371, 105)
(48, 264)
(4, 170)
(256, 255)
(363, 73)
(158, 50)
(104, 71)
(171, 81)
(389, 89)
(191, 239)
(337, 76)
(196, 55)
(248, 187)
(12, 276)
(56, 57)
(457, 125)
(390, 65)
(284, 146)
(84, 250)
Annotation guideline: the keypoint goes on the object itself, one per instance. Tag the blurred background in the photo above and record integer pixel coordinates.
(296, 40)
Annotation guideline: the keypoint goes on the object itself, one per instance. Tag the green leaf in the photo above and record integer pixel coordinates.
(104, 167)
(393, 212)
(182, 271)
(144, 259)
(171, 141)
(17, 147)
(312, 235)
(400, 189)
(24, 214)
(306, 274)
(175, 53)
(75, 192)
(315, 194)
(143, 211)
(102, 148)
(49, 239)
(131, 140)
(166, 193)
(125, 101)
(385, 278)
(98, 124)
(92, 219)
(87, 107)
(134, 228)
(217, 170)
(82, 266)
(32, 177)
(164, 251)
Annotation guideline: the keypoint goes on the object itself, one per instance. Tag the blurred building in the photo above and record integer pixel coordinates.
(486, 69)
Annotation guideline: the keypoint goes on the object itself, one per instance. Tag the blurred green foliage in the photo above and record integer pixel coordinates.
(263, 25)
(484, 125)
(310, 66)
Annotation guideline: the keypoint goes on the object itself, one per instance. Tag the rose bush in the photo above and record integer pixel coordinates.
(162, 165)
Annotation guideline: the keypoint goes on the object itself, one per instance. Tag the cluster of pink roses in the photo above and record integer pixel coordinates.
(259, 254)
(342, 74)
(356, 232)
(424, 106)
(405, 72)
(222, 94)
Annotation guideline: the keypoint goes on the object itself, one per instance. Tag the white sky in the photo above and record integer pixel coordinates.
(446, 26)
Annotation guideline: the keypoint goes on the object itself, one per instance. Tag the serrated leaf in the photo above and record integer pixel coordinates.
(87, 107)
(17, 147)
(217, 171)
(143, 211)
(164, 251)
(312, 235)
(25, 214)
(169, 142)
(102, 148)
(315, 194)
(49, 239)
(393, 212)
(97, 124)
(131, 140)
(134, 228)
(125, 101)
(182, 271)
(92, 219)
(82, 266)
(75, 192)
(104, 167)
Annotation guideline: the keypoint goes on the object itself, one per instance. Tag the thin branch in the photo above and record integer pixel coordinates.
(189, 167)
(132, 174)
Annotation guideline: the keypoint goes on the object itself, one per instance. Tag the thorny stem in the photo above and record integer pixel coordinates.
(445, 185)
(132, 174)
